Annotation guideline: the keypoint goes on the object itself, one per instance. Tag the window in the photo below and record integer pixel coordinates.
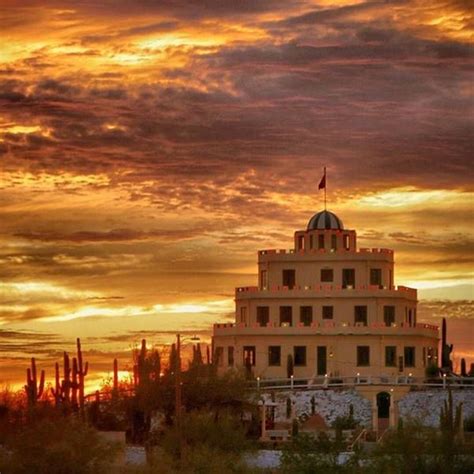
(219, 356)
(263, 315)
(299, 355)
(390, 356)
(328, 312)
(311, 241)
(286, 315)
(376, 276)
(363, 356)
(348, 277)
(360, 315)
(321, 241)
(409, 356)
(230, 356)
(306, 315)
(389, 315)
(243, 314)
(327, 275)
(288, 278)
(333, 242)
(263, 280)
(345, 241)
(249, 356)
(274, 355)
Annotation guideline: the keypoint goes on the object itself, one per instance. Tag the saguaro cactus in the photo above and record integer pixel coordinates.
(82, 370)
(33, 389)
(115, 380)
(446, 349)
(74, 383)
(450, 418)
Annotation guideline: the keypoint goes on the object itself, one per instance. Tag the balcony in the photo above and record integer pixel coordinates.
(328, 328)
(316, 290)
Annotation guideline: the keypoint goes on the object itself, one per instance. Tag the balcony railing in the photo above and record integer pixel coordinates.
(324, 327)
(293, 383)
(317, 288)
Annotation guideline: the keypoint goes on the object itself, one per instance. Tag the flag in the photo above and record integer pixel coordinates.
(322, 183)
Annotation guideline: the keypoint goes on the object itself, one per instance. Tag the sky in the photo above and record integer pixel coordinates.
(148, 149)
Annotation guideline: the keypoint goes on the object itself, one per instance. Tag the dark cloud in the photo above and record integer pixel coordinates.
(152, 171)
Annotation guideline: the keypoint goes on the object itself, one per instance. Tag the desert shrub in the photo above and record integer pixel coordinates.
(209, 445)
(308, 454)
(346, 422)
(432, 371)
(414, 448)
(55, 445)
(469, 424)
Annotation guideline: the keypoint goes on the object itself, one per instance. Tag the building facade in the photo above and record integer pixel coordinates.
(326, 309)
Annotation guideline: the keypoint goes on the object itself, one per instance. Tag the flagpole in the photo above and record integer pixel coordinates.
(325, 187)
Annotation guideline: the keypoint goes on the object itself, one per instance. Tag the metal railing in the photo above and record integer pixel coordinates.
(322, 382)
(360, 437)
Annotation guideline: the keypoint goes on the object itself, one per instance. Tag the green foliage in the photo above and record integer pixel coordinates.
(55, 445)
(414, 448)
(346, 422)
(469, 424)
(212, 392)
(432, 371)
(450, 417)
(307, 454)
(294, 428)
(209, 445)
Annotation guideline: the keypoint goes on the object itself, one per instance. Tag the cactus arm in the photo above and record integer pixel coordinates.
(41, 384)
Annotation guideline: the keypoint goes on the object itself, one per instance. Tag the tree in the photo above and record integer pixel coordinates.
(56, 445)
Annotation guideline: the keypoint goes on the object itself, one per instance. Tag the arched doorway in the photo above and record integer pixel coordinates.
(383, 411)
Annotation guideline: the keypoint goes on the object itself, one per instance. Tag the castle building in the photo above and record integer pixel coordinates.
(326, 309)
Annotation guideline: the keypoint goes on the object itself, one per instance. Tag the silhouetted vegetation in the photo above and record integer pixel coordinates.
(53, 444)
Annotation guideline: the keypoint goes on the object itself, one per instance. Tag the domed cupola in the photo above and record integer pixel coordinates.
(325, 220)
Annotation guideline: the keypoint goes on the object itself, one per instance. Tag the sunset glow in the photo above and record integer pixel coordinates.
(149, 149)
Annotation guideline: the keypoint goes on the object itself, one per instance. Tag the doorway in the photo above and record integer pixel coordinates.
(383, 411)
(322, 360)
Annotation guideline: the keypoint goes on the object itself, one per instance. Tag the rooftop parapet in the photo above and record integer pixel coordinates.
(399, 290)
(325, 251)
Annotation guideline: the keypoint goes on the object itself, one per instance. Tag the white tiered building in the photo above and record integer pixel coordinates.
(328, 309)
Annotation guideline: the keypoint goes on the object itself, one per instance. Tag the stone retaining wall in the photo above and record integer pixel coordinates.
(426, 405)
(329, 404)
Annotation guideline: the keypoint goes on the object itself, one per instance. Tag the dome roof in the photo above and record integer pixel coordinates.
(325, 220)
